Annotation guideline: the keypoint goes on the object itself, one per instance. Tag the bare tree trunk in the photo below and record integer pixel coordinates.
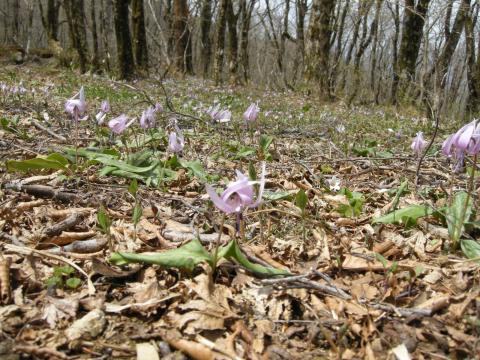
(183, 44)
(50, 19)
(232, 19)
(139, 34)
(301, 10)
(96, 56)
(220, 41)
(206, 44)
(473, 66)
(442, 63)
(396, 20)
(246, 11)
(125, 62)
(364, 43)
(318, 46)
(412, 31)
(338, 49)
(104, 35)
(75, 11)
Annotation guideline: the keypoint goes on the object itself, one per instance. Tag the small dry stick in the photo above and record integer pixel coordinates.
(5, 289)
(26, 251)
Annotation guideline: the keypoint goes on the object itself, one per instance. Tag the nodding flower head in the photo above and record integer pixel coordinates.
(219, 115)
(176, 142)
(418, 144)
(148, 119)
(104, 109)
(76, 106)
(251, 114)
(467, 139)
(119, 124)
(239, 194)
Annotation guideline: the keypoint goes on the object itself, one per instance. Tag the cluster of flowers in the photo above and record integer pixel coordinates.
(465, 141)
(77, 107)
(20, 90)
(219, 115)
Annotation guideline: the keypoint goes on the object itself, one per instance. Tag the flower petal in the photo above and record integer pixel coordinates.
(218, 201)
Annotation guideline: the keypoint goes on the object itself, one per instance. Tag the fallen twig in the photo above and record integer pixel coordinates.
(26, 251)
(51, 132)
(43, 191)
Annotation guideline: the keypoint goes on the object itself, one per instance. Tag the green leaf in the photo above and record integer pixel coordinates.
(73, 282)
(121, 165)
(244, 152)
(53, 161)
(54, 281)
(252, 172)
(400, 191)
(382, 259)
(133, 187)
(407, 215)
(63, 270)
(455, 216)
(276, 195)
(301, 200)
(470, 248)
(265, 142)
(233, 251)
(137, 214)
(195, 167)
(186, 257)
(104, 220)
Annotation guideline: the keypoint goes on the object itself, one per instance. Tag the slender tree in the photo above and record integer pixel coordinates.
(412, 31)
(318, 46)
(473, 64)
(205, 42)
(96, 55)
(50, 18)
(75, 11)
(246, 14)
(183, 41)
(220, 41)
(139, 34)
(126, 66)
(232, 20)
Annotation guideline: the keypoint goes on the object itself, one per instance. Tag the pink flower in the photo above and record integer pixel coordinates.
(463, 138)
(219, 115)
(119, 124)
(148, 120)
(238, 194)
(418, 144)
(104, 109)
(252, 113)
(176, 142)
(77, 106)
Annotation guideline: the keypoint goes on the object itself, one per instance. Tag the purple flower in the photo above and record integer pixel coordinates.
(219, 115)
(176, 142)
(104, 109)
(238, 194)
(418, 144)
(447, 146)
(147, 120)
(462, 138)
(119, 124)
(76, 106)
(158, 107)
(252, 113)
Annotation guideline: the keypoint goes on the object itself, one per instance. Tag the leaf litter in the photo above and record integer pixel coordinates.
(364, 259)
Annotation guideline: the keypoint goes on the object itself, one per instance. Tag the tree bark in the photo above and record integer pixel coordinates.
(318, 46)
(183, 43)
(220, 41)
(50, 19)
(246, 12)
(473, 66)
(96, 56)
(126, 66)
(139, 34)
(412, 32)
(232, 19)
(75, 12)
(206, 44)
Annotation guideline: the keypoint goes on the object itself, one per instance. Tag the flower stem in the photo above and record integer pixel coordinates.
(461, 220)
(217, 244)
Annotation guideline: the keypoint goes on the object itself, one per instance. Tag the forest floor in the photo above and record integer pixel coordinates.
(364, 285)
